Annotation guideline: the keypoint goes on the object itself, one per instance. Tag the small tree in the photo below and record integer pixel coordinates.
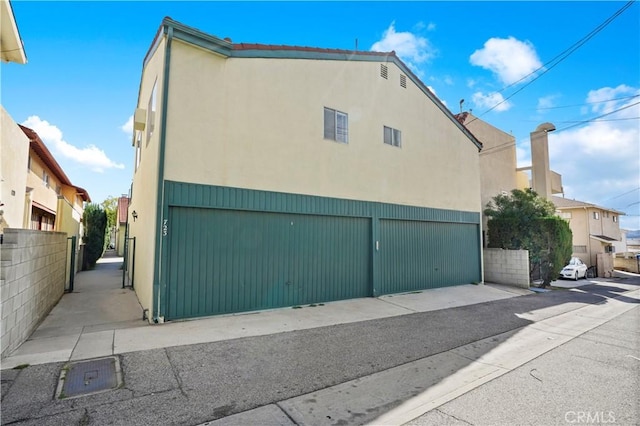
(110, 205)
(95, 220)
(523, 220)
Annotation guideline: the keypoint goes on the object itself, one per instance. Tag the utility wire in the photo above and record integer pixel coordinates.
(557, 59)
(494, 149)
(623, 194)
(584, 104)
(596, 118)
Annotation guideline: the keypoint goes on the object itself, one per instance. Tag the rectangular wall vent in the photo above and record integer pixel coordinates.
(384, 71)
(403, 81)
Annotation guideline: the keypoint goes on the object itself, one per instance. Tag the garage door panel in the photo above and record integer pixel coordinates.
(417, 255)
(223, 261)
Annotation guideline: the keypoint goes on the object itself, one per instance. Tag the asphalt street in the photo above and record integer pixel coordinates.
(593, 379)
(195, 384)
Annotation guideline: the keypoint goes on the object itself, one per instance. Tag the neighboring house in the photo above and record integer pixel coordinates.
(497, 162)
(633, 245)
(594, 228)
(11, 47)
(620, 247)
(52, 202)
(14, 147)
(269, 176)
(121, 223)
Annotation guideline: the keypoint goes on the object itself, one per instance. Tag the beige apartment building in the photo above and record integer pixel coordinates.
(270, 176)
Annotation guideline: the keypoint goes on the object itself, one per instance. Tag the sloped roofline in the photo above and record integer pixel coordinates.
(11, 42)
(228, 49)
(566, 203)
(43, 152)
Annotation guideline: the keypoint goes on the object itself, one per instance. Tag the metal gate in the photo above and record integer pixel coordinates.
(224, 261)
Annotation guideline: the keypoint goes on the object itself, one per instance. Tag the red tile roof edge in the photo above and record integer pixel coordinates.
(43, 152)
(260, 46)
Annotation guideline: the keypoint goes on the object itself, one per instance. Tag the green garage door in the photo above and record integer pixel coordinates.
(224, 261)
(417, 255)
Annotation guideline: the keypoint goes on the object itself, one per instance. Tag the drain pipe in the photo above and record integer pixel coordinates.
(161, 215)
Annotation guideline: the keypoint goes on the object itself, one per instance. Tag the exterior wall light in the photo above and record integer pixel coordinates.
(135, 215)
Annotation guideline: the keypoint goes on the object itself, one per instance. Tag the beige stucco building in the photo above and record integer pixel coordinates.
(272, 176)
(498, 163)
(52, 202)
(121, 224)
(14, 157)
(595, 228)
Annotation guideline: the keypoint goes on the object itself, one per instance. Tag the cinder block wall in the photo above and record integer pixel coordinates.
(629, 264)
(509, 267)
(31, 281)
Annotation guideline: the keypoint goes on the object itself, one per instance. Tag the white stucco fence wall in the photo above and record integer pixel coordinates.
(509, 267)
(32, 279)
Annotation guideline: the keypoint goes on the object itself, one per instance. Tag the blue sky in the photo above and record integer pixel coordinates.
(80, 85)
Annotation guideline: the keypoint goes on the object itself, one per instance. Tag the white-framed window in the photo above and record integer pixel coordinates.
(151, 112)
(336, 125)
(615, 218)
(596, 215)
(45, 178)
(392, 136)
(565, 215)
(579, 249)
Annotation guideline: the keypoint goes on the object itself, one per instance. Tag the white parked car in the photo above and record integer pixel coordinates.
(574, 270)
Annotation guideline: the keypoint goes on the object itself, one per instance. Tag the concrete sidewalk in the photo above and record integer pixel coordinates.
(100, 318)
(387, 363)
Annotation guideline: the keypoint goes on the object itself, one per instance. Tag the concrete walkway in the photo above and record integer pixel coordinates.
(374, 361)
(100, 318)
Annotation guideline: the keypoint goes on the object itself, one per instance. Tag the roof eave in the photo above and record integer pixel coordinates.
(11, 46)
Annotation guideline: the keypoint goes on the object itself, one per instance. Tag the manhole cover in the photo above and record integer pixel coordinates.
(85, 377)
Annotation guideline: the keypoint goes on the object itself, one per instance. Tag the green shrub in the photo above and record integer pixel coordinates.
(522, 220)
(95, 224)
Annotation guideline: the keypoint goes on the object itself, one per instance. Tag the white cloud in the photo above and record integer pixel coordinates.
(604, 99)
(411, 48)
(510, 59)
(547, 101)
(128, 126)
(523, 153)
(91, 156)
(601, 160)
(490, 101)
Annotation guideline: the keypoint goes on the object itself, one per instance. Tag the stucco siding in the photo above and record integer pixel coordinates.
(258, 124)
(14, 151)
(42, 194)
(497, 160)
(144, 187)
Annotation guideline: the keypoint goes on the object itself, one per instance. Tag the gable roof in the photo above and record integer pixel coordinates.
(226, 48)
(38, 146)
(566, 203)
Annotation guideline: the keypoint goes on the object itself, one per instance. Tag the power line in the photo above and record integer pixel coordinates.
(596, 118)
(623, 194)
(584, 104)
(506, 145)
(598, 121)
(557, 59)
